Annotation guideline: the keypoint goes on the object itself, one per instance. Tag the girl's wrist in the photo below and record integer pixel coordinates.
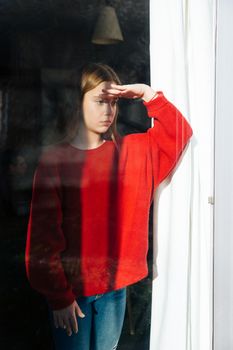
(148, 93)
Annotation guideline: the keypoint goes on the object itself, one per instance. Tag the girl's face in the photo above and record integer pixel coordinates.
(99, 110)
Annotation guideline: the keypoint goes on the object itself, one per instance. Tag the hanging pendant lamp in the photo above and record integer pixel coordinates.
(107, 30)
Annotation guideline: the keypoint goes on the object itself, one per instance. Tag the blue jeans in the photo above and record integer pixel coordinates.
(101, 327)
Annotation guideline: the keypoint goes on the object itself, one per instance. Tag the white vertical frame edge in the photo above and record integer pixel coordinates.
(223, 211)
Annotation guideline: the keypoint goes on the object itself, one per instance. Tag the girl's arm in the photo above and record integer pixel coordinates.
(168, 137)
(45, 239)
(45, 242)
(170, 133)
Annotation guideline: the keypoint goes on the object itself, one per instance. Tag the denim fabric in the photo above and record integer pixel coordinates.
(101, 327)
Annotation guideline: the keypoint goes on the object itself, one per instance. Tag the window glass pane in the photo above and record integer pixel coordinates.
(44, 46)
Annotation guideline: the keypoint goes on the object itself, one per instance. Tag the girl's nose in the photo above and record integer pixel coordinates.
(108, 108)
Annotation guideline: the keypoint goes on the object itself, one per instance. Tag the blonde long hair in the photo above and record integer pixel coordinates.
(92, 75)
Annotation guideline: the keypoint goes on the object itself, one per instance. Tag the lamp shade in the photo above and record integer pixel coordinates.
(107, 30)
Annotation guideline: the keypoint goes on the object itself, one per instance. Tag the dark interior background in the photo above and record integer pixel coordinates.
(42, 43)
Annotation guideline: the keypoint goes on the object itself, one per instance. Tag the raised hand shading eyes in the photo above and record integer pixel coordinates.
(125, 91)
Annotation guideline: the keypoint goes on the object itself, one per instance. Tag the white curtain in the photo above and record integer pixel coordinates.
(182, 36)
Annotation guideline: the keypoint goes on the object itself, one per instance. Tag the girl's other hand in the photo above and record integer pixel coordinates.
(66, 318)
(130, 91)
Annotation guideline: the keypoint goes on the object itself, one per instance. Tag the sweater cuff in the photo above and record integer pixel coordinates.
(57, 304)
(155, 104)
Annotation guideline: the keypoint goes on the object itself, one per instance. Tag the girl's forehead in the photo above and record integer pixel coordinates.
(97, 91)
(103, 85)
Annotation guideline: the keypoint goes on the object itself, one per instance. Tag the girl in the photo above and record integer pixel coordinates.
(88, 226)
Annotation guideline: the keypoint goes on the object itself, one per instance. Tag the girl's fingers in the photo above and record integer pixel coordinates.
(60, 321)
(109, 95)
(74, 323)
(64, 323)
(114, 92)
(67, 324)
(124, 94)
(66, 318)
(55, 321)
(118, 87)
(128, 91)
(78, 311)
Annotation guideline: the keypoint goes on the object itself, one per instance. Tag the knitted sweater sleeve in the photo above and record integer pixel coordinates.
(45, 239)
(167, 138)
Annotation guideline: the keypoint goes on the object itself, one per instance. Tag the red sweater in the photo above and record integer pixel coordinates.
(88, 226)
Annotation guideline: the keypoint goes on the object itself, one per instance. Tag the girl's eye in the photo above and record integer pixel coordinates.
(114, 102)
(100, 102)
